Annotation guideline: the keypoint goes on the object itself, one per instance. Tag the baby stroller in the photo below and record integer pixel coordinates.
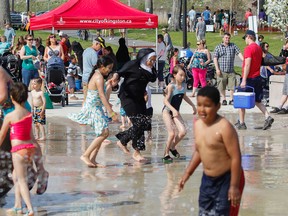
(55, 81)
(10, 63)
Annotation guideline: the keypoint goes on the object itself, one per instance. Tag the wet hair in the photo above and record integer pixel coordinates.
(176, 69)
(211, 92)
(19, 92)
(38, 80)
(104, 61)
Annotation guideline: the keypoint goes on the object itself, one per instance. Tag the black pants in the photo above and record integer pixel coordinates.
(136, 112)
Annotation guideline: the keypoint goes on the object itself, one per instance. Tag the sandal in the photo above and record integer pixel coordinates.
(42, 183)
(175, 153)
(167, 159)
(29, 213)
(14, 211)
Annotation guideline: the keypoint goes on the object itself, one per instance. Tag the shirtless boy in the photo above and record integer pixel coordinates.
(38, 107)
(223, 179)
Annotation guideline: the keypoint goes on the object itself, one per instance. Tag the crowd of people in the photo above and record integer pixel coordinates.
(103, 71)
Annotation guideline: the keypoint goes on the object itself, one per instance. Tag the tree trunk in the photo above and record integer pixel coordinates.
(148, 6)
(5, 12)
(175, 16)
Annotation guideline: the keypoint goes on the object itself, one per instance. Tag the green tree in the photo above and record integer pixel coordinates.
(5, 12)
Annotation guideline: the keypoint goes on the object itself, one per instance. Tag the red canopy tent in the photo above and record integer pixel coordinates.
(94, 14)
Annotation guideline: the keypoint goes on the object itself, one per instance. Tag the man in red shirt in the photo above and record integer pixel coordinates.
(64, 38)
(251, 77)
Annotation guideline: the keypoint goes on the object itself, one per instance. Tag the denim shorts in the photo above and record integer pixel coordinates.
(256, 83)
(27, 75)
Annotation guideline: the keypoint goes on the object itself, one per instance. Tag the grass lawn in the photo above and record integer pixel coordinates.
(274, 39)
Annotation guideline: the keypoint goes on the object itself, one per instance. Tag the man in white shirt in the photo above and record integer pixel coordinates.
(192, 19)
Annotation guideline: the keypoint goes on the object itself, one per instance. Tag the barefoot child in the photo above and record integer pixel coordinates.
(217, 148)
(71, 74)
(38, 107)
(149, 113)
(92, 111)
(20, 123)
(124, 119)
(173, 120)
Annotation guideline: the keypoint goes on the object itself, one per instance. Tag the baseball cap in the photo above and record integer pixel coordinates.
(249, 32)
(100, 40)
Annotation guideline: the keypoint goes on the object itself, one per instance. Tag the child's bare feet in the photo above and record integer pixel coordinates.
(122, 126)
(98, 165)
(87, 161)
(36, 138)
(138, 157)
(14, 211)
(124, 148)
(106, 142)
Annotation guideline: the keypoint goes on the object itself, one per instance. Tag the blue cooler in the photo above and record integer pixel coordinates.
(78, 84)
(245, 100)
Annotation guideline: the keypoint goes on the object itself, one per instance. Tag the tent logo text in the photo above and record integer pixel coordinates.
(149, 22)
(61, 21)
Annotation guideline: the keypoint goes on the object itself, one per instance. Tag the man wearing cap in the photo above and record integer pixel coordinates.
(10, 34)
(251, 77)
(90, 58)
(63, 42)
(68, 44)
(200, 29)
(224, 56)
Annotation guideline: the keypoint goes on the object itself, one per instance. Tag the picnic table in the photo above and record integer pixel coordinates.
(135, 47)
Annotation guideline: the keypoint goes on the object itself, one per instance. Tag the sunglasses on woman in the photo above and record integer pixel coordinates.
(29, 39)
(52, 36)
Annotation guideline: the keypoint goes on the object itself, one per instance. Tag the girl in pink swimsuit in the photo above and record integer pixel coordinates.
(20, 123)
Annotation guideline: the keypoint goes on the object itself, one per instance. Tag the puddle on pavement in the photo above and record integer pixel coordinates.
(126, 187)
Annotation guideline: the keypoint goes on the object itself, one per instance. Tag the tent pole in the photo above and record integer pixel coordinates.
(53, 30)
(156, 48)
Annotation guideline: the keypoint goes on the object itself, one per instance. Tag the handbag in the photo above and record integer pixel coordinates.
(271, 60)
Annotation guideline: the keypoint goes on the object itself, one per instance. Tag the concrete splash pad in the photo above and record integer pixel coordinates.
(126, 187)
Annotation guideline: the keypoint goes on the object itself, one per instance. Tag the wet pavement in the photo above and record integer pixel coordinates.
(126, 187)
